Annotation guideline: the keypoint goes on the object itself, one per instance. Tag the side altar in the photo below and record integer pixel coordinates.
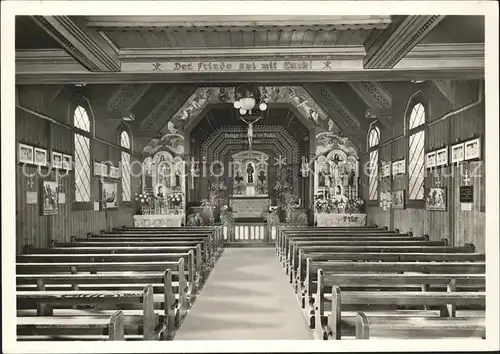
(159, 220)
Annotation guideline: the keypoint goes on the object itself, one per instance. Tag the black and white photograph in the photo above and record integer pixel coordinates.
(430, 159)
(442, 157)
(473, 149)
(25, 154)
(41, 157)
(57, 160)
(249, 176)
(457, 153)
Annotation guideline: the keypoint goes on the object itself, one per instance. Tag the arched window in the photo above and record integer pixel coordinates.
(125, 168)
(416, 154)
(82, 125)
(373, 144)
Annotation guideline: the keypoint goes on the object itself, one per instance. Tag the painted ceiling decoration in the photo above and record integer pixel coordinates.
(127, 96)
(198, 101)
(328, 141)
(373, 93)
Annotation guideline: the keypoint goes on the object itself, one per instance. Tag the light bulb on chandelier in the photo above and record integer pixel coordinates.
(243, 111)
(237, 104)
(263, 106)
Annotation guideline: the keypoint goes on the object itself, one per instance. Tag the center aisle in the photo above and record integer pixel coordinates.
(247, 296)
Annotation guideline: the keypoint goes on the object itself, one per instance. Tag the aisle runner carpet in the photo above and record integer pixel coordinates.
(247, 296)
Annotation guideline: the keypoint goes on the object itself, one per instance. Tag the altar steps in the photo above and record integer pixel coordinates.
(248, 244)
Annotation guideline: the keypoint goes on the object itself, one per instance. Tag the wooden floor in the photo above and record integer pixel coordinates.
(247, 296)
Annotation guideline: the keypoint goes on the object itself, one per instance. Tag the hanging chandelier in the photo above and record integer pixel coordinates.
(247, 97)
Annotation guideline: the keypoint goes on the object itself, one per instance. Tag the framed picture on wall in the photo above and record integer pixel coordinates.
(472, 149)
(430, 159)
(100, 169)
(57, 161)
(41, 158)
(109, 195)
(386, 169)
(395, 168)
(114, 172)
(398, 199)
(457, 153)
(442, 157)
(26, 153)
(67, 162)
(402, 167)
(436, 199)
(50, 198)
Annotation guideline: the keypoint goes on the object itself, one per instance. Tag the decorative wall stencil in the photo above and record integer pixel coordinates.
(160, 109)
(196, 103)
(347, 115)
(326, 142)
(126, 95)
(379, 93)
(174, 143)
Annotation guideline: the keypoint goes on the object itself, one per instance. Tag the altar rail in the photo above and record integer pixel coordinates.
(249, 232)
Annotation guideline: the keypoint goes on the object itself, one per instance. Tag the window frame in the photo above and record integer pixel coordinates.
(415, 99)
(124, 129)
(79, 205)
(370, 150)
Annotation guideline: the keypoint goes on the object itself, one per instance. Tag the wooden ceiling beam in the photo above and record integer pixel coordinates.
(241, 22)
(85, 45)
(392, 44)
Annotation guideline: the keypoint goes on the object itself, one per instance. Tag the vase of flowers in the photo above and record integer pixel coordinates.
(175, 201)
(272, 215)
(226, 214)
(143, 201)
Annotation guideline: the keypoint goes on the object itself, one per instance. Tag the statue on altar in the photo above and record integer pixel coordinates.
(261, 183)
(250, 171)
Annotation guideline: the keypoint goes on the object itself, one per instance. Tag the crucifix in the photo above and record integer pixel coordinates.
(250, 130)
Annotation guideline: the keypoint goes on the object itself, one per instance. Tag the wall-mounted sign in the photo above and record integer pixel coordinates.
(466, 194)
(221, 66)
(31, 197)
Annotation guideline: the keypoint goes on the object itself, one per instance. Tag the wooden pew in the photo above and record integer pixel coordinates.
(299, 270)
(293, 254)
(346, 237)
(282, 241)
(397, 327)
(46, 301)
(50, 328)
(186, 289)
(345, 301)
(173, 304)
(325, 273)
(194, 264)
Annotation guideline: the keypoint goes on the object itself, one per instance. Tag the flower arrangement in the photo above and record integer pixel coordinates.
(175, 199)
(144, 200)
(272, 209)
(226, 214)
(218, 187)
(282, 187)
(321, 204)
(355, 205)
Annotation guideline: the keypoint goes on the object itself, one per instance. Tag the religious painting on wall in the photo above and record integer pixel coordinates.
(41, 158)
(25, 154)
(473, 149)
(67, 162)
(398, 199)
(50, 198)
(436, 199)
(430, 159)
(57, 160)
(160, 191)
(457, 153)
(109, 195)
(442, 157)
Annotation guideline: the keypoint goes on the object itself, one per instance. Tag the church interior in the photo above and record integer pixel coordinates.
(261, 177)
